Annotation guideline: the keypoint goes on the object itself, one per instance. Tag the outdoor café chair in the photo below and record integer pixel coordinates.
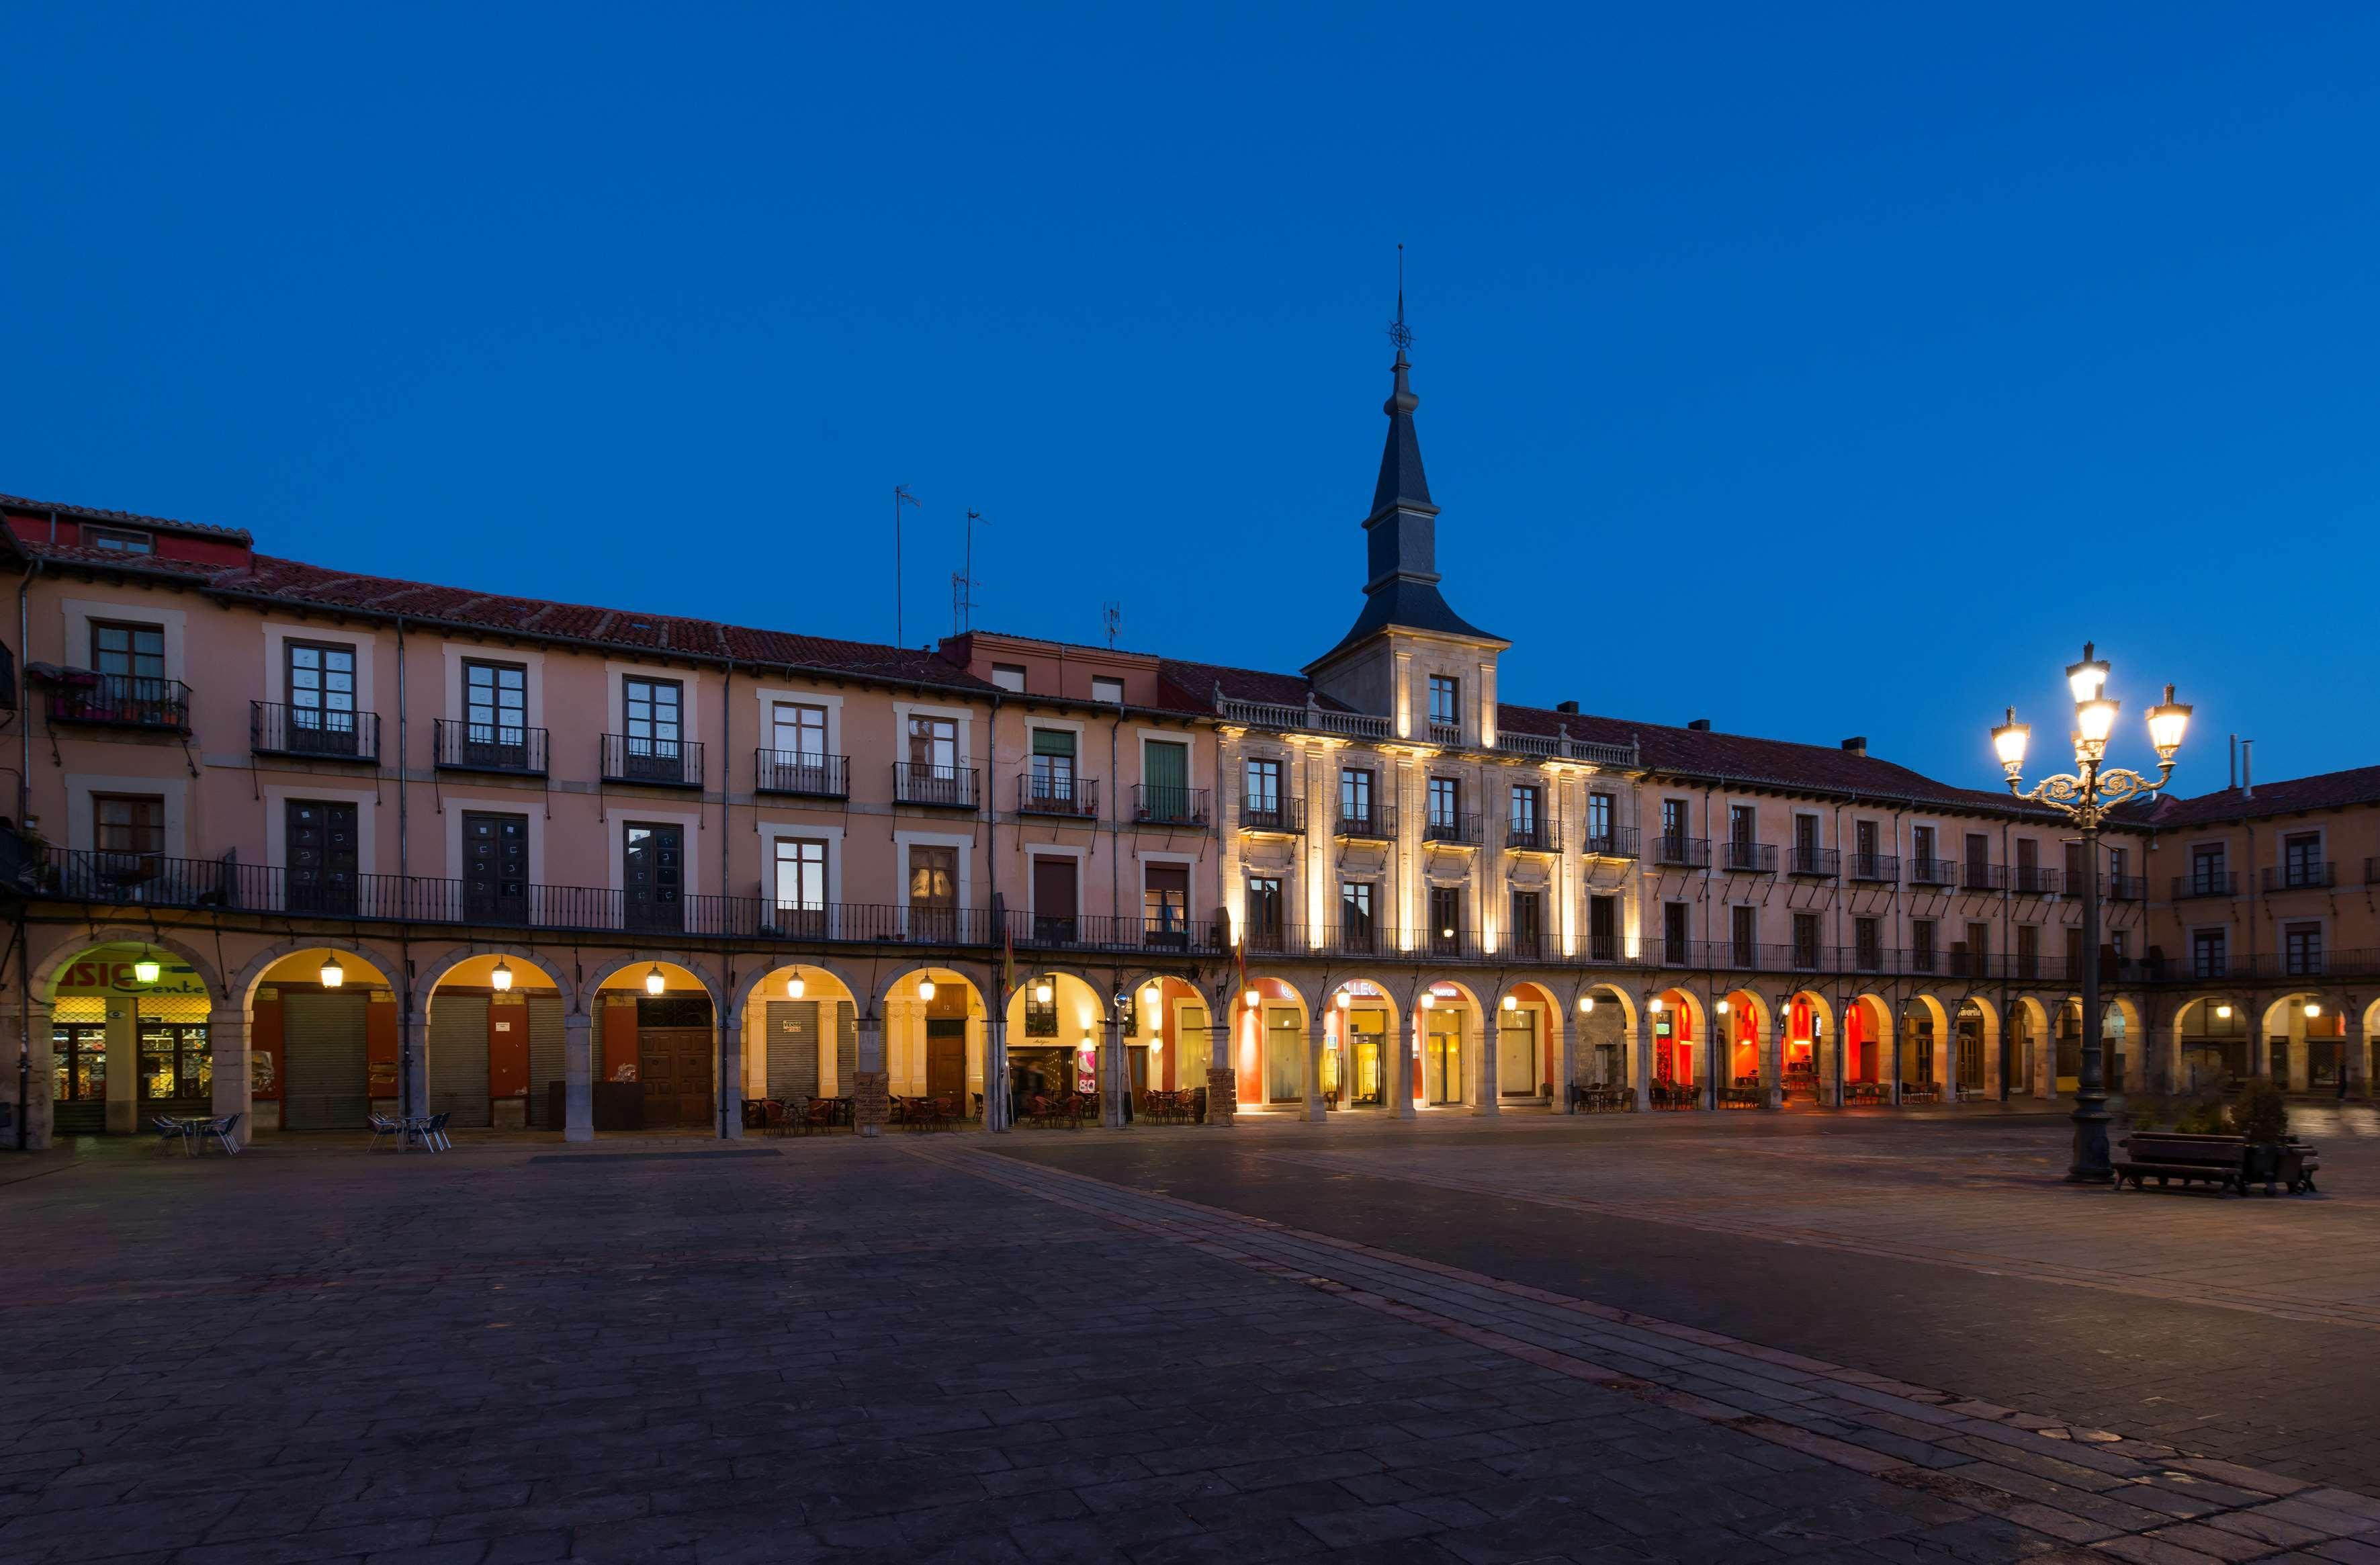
(222, 1130)
(383, 1129)
(168, 1128)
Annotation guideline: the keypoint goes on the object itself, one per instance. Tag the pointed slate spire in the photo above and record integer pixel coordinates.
(1401, 588)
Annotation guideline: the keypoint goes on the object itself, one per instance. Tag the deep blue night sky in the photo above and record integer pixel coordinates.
(1816, 370)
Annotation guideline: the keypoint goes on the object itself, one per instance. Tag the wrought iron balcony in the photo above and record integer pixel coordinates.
(1882, 868)
(479, 747)
(1099, 933)
(1933, 872)
(1058, 794)
(1540, 835)
(1815, 864)
(1619, 842)
(1747, 857)
(1161, 804)
(1378, 824)
(2207, 883)
(1276, 815)
(2031, 881)
(2124, 888)
(937, 787)
(122, 700)
(1694, 853)
(653, 763)
(275, 728)
(1457, 827)
(803, 774)
(1977, 876)
(2305, 875)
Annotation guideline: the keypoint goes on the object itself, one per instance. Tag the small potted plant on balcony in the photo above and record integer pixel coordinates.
(2261, 1118)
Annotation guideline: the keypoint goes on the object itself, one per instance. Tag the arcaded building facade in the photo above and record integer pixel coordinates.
(302, 845)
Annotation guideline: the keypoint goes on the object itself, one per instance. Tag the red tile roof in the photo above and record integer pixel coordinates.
(2326, 790)
(1194, 684)
(92, 514)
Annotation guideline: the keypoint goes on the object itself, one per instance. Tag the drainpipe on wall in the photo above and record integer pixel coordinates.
(24, 808)
(727, 966)
(404, 870)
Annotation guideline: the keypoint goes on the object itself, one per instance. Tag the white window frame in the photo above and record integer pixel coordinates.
(79, 612)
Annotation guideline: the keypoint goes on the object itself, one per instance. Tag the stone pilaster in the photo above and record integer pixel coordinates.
(871, 1084)
(1317, 1038)
(731, 1076)
(577, 1078)
(227, 1048)
(41, 1081)
(1222, 1095)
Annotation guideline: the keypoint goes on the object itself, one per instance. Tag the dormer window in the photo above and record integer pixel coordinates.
(1009, 677)
(1107, 689)
(1445, 698)
(119, 541)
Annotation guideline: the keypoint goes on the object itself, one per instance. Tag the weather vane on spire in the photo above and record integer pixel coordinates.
(1396, 332)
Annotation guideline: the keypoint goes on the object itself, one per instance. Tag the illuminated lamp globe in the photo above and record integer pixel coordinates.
(1251, 998)
(1042, 992)
(1722, 1007)
(1344, 999)
(332, 975)
(1151, 996)
(2094, 721)
(2088, 678)
(1428, 999)
(794, 986)
(1512, 1002)
(146, 969)
(654, 982)
(500, 978)
(925, 988)
(2009, 742)
(1586, 1003)
(2167, 725)
(2314, 1008)
(2222, 1013)
(1658, 1005)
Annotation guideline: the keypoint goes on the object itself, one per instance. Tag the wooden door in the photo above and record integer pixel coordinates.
(653, 876)
(675, 1063)
(320, 844)
(946, 1060)
(495, 867)
(1054, 906)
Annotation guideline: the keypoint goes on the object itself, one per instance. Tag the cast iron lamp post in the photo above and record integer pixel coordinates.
(2084, 797)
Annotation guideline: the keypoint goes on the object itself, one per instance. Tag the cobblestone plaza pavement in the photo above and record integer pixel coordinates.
(1744, 1337)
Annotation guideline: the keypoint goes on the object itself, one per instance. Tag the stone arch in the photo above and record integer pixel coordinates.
(44, 987)
(1438, 1089)
(2210, 1036)
(1825, 1039)
(250, 976)
(1693, 1011)
(1922, 1064)
(1552, 1049)
(1268, 1058)
(1365, 1081)
(1738, 1057)
(1993, 1077)
(2029, 1029)
(751, 984)
(693, 966)
(2291, 1020)
(1870, 1064)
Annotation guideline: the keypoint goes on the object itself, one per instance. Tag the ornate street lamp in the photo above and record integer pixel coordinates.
(2084, 797)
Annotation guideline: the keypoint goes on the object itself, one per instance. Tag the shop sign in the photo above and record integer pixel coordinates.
(108, 970)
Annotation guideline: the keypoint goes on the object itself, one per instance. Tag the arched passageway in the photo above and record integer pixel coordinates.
(129, 1039)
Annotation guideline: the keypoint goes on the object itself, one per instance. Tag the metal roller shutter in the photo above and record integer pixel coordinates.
(322, 1062)
(458, 1059)
(545, 1054)
(793, 1046)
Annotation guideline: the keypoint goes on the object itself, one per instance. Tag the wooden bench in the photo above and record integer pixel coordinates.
(2167, 1155)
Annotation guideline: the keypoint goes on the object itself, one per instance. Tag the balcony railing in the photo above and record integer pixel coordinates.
(1933, 872)
(1286, 718)
(1694, 853)
(1277, 815)
(1883, 867)
(2207, 883)
(1161, 804)
(1378, 824)
(1977, 876)
(1815, 864)
(275, 728)
(804, 773)
(1200, 936)
(2306, 875)
(1445, 732)
(654, 763)
(1059, 794)
(2031, 881)
(482, 747)
(1747, 857)
(1535, 836)
(2124, 888)
(938, 787)
(1454, 828)
(1619, 842)
(123, 700)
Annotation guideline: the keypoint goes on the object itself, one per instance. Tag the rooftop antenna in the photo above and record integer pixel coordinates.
(900, 497)
(967, 596)
(1396, 332)
(1112, 613)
